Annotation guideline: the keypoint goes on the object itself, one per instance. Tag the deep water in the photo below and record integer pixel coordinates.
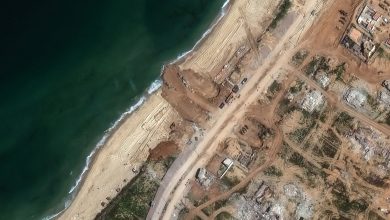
(68, 70)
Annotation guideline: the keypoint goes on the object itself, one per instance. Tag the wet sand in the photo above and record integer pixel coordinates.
(127, 148)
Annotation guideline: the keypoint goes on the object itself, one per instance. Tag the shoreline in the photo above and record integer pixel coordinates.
(136, 105)
(90, 159)
(224, 10)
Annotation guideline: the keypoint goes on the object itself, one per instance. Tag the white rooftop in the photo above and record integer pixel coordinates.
(355, 97)
(227, 162)
(312, 100)
(323, 80)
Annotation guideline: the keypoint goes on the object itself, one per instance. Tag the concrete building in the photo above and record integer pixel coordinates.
(369, 19)
(312, 101)
(323, 79)
(369, 48)
(228, 163)
(359, 43)
(386, 84)
(355, 97)
(204, 178)
(387, 42)
(384, 97)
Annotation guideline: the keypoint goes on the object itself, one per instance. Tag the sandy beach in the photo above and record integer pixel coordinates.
(127, 148)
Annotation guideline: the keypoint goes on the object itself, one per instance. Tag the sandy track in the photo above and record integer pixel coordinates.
(342, 106)
(224, 124)
(127, 148)
(228, 35)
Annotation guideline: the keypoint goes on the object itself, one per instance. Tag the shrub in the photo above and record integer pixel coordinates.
(283, 9)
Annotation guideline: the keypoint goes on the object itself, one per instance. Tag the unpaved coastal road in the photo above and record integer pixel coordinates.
(191, 159)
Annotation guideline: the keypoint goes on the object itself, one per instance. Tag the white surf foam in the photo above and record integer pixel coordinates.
(205, 34)
(151, 89)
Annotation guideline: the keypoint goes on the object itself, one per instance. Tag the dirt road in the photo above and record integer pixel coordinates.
(226, 119)
(341, 105)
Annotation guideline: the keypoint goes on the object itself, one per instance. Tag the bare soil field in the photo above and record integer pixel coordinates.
(326, 163)
(163, 150)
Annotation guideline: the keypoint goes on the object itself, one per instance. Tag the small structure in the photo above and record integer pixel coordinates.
(387, 42)
(312, 101)
(369, 48)
(246, 155)
(263, 191)
(359, 43)
(386, 84)
(384, 97)
(229, 98)
(205, 178)
(323, 79)
(355, 97)
(235, 88)
(228, 163)
(369, 19)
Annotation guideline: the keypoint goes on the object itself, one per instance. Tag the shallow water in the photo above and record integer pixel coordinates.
(68, 70)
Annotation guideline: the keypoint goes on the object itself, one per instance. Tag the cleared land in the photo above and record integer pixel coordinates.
(269, 117)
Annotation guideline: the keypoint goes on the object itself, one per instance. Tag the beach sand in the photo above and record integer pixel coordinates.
(149, 125)
(242, 20)
(127, 148)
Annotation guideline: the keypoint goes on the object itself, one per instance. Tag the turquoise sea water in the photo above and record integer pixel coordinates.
(68, 70)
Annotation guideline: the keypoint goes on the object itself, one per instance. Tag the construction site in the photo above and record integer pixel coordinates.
(290, 115)
(314, 144)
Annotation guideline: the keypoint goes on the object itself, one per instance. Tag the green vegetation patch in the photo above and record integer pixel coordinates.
(284, 151)
(183, 212)
(199, 201)
(339, 71)
(133, 203)
(283, 9)
(313, 176)
(299, 57)
(297, 87)
(297, 159)
(300, 134)
(383, 54)
(230, 181)
(324, 116)
(372, 101)
(375, 180)
(330, 144)
(343, 203)
(208, 210)
(275, 87)
(273, 171)
(318, 63)
(325, 165)
(317, 151)
(388, 118)
(374, 216)
(224, 216)
(220, 203)
(285, 107)
(343, 123)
